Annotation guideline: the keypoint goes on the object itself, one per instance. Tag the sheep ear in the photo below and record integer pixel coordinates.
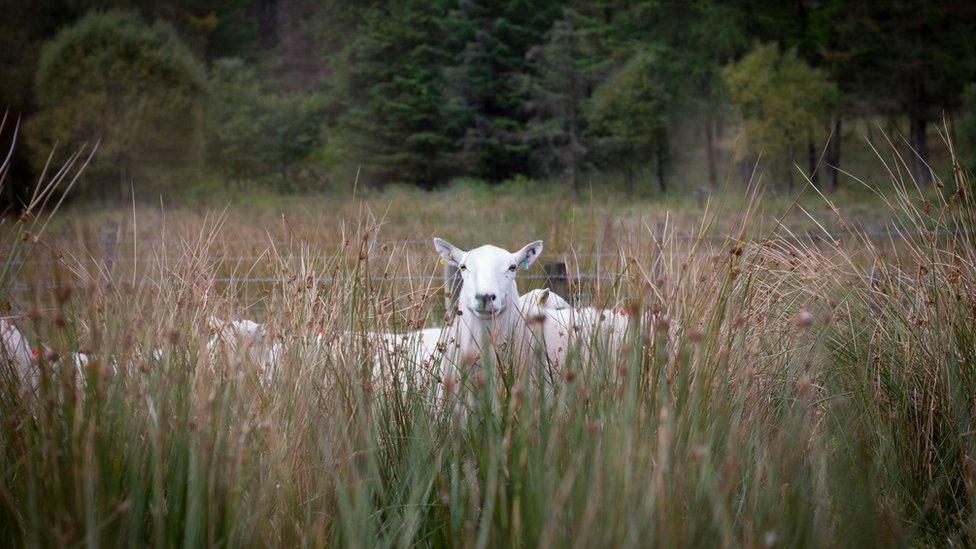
(215, 324)
(450, 253)
(528, 254)
(543, 297)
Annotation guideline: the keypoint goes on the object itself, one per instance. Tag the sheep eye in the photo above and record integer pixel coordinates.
(511, 268)
(464, 267)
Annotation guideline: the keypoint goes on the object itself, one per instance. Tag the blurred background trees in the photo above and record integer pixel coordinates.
(631, 111)
(256, 132)
(133, 86)
(659, 95)
(782, 101)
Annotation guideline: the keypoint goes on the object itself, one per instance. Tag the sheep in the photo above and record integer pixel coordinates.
(557, 328)
(246, 340)
(487, 306)
(488, 311)
(25, 359)
(535, 302)
(14, 348)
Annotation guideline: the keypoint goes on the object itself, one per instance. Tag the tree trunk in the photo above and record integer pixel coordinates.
(574, 179)
(791, 161)
(661, 181)
(266, 13)
(812, 162)
(920, 144)
(747, 165)
(125, 174)
(712, 153)
(833, 157)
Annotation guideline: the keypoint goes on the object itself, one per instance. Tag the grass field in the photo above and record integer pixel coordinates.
(776, 389)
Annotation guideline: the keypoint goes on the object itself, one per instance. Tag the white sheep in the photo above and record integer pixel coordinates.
(487, 306)
(557, 329)
(15, 349)
(488, 312)
(24, 358)
(245, 341)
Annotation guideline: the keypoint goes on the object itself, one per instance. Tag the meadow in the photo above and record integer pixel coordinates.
(797, 372)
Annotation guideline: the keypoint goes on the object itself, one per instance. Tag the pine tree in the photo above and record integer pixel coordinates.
(908, 56)
(494, 38)
(564, 74)
(392, 94)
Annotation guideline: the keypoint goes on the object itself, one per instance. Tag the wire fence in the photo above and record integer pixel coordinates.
(433, 280)
(109, 245)
(104, 255)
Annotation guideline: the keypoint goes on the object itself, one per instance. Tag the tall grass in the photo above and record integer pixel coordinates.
(775, 391)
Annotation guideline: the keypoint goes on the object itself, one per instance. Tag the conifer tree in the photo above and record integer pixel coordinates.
(487, 82)
(564, 74)
(392, 92)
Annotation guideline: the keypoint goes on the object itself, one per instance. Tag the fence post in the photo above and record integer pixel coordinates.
(556, 278)
(656, 256)
(452, 287)
(109, 240)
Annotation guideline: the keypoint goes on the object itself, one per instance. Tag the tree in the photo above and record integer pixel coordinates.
(237, 117)
(715, 36)
(494, 38)
(967, 128)
(24, 27)
(392, 94)
(135, 87)
(630, 112)
(911, 57)
(781, 100)
(693, 40)
(564, 74)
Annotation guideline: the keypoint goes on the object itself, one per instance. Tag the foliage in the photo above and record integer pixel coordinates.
(564, 71)
(967, 126)
(252, 132)
(134, 87)
(423, 92)
(910, 57)
(392, 91)
(486, 82)
(631, 109)
(781, 99)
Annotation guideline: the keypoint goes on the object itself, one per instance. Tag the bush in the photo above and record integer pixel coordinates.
(252, 133)
(135, 87)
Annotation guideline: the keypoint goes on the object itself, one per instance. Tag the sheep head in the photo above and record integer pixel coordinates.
(487, 275)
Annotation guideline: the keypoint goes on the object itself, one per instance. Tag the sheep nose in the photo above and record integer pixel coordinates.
(486, 298)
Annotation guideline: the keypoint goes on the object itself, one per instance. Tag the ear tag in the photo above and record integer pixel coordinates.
(441, 261)
(525, 264)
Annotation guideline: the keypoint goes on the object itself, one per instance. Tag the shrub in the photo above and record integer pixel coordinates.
(133, 86)
(252, 133)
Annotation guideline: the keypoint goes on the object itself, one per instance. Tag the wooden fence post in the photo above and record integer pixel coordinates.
(656, 256)
(452, 287)
(557, 279)
(109, 241)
